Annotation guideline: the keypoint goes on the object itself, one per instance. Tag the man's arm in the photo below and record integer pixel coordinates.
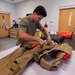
(25, 36)
(48, 38)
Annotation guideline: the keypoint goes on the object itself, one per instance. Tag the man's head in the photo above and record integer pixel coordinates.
(39, 12)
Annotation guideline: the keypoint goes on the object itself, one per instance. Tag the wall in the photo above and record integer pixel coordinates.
(52, 7)
(6, 7)
(23, 8)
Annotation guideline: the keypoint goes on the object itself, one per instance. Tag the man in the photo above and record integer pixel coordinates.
(29, 24)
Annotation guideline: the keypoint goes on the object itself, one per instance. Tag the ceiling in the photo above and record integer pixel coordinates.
(14, 1)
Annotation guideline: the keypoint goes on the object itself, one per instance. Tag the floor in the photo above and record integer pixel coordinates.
(6, 43)
(71, 42)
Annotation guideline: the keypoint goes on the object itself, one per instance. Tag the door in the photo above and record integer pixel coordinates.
(0, 25)
(66, 19)
(4, 25)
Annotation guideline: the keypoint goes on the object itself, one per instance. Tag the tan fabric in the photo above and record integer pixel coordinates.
(13, 63)
(61, 49)
(7, 65)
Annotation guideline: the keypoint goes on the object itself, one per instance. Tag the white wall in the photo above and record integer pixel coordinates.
(7, 7)
(52, 7)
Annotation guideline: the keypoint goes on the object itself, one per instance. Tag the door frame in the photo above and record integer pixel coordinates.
(65, 8)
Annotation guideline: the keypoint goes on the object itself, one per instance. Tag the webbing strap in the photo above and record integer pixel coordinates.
(59, 52)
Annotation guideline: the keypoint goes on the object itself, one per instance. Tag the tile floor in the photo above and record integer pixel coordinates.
(6, 43)
(71, 42)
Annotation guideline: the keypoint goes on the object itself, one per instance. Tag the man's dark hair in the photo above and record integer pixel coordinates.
(40, 10)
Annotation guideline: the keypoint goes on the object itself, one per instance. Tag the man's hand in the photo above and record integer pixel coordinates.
(41, 42)
(48, 40)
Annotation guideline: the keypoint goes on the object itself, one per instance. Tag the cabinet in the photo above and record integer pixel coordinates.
(13, 32)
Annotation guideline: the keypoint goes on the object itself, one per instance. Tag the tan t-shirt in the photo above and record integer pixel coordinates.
(28, 26)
